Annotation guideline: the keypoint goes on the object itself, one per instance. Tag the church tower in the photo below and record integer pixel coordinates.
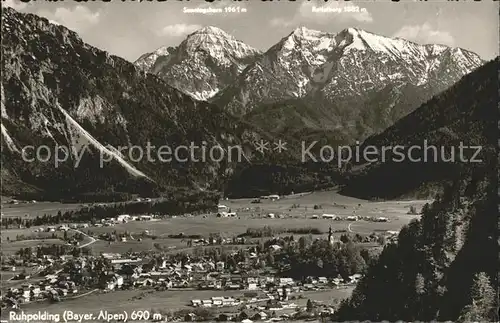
(330, 235)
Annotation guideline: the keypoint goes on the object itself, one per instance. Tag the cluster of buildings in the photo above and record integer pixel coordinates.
(350, 218)
(51, 287)
(244, 316)
(224, 212)
(216, 301)
(336, 217)
(123, 218)
(279, 289)
(16, 202)
(272, 197)
(68, 275)
(160, 272)
(52, 228)
(263, 309)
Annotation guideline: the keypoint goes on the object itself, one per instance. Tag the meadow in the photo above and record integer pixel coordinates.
(33, 210)
(291, 213)
(297, 212)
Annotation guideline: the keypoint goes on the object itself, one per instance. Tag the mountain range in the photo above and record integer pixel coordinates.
(60, 91)
(352, 84)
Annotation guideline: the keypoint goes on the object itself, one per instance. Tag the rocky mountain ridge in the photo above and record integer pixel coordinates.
(203, 64)
(62, 92)
(357, 83)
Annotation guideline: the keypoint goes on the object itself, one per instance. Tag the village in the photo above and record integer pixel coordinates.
(80, 275)
(266, 272)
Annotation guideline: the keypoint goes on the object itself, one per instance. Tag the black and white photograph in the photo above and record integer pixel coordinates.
(249, 161)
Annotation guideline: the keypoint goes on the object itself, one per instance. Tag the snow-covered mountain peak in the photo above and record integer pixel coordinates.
(352, 31)
(339, 66)
(147, 60)
(217, 43)
(435, 49)
(162, 51)
(358, 39)
(362, 40)
(303, 32)
(300, 30)
(308, 40)
(212, 30)
(347, 39)
(203, 64)
(350, 61)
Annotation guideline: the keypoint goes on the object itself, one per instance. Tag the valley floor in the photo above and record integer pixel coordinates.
(288, 213)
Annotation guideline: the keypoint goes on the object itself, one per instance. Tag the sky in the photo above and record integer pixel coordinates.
(130, 29)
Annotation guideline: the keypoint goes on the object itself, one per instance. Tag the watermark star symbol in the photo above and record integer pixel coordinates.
(280, 146)
(261, 146)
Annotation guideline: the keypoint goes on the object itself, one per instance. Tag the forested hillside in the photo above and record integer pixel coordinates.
(62, 92)
(462, 115)
(445, 265)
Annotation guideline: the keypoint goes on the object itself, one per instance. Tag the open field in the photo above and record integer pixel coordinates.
(212, 224)
(30, 238)
(297, 213)
(144, 245)
(328, 202)
(14, 246)
(7, 275)
(33, 210)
